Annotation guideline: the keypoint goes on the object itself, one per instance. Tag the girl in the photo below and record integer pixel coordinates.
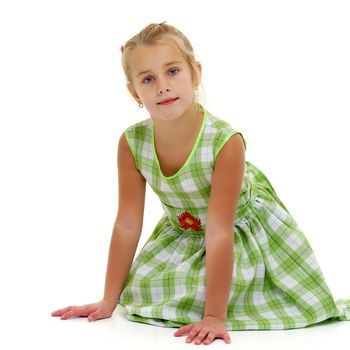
(226, 254)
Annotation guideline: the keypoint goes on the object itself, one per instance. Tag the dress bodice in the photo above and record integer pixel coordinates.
(185, 195)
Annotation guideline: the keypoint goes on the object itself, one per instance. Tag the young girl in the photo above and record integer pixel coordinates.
(226, 254)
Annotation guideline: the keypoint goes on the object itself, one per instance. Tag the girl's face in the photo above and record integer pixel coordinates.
(159, 72)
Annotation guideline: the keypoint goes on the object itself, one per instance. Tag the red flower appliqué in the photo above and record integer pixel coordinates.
(189, 221)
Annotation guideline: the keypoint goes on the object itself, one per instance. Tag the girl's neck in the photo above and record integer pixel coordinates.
(179, 132)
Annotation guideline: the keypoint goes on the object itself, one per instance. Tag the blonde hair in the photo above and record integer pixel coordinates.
(159, 33)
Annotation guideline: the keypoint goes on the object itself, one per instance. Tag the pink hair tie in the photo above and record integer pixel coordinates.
(122, 48)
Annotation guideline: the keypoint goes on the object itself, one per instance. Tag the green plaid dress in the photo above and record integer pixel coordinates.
(276, 283)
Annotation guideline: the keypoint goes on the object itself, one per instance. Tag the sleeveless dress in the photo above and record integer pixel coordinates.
(277, 282)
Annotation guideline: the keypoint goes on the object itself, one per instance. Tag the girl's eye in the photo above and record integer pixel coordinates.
(170, 70)
(174, 69)
(144, 80)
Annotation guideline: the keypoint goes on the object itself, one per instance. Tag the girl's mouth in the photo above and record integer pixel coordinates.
(168, 102)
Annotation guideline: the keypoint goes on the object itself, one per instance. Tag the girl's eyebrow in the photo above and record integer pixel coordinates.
(166, 64)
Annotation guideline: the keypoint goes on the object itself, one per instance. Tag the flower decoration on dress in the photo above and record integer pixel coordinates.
(189, 221)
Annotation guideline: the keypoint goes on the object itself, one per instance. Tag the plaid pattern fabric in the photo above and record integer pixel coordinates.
(276, 283)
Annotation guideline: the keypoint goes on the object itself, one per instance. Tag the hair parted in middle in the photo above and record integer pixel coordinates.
(159, 33)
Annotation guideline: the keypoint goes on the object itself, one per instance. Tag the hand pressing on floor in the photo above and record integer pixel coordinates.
(205, 331)
(95, 311)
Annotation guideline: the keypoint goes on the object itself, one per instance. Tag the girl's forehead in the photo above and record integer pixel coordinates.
(145, 57)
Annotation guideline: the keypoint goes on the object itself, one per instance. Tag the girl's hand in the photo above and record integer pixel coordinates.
(102, 309)
(209, 329)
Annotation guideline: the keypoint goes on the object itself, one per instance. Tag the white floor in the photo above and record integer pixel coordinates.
(46, 332)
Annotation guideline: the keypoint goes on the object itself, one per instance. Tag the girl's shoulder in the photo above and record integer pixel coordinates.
(221, 130)
(138, 131)
(217, 124)
(137, 136)
(140, 125)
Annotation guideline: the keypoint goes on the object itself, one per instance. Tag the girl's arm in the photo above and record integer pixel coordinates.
(128, 224)
(225, 192)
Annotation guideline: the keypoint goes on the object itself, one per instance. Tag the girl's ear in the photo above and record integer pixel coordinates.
(198, 76)
(134, 93)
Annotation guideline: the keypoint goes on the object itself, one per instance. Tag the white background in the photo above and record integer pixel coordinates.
(278, 71)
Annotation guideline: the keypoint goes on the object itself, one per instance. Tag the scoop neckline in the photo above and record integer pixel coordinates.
(191, 153)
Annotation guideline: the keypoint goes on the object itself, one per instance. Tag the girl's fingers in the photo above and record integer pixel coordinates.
(94, 316)
(60, 312)
(192, 334)
(201, 335)
(72, 313)
(210, 338)
(183, 329)
(78, 311)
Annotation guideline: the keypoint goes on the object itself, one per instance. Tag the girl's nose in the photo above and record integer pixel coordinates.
(160, 90)
(163, 86)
